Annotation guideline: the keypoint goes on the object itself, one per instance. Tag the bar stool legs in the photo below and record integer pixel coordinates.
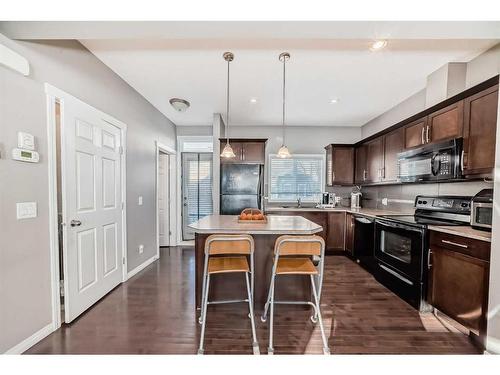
(255, 345)
(326, 350)
(203, 316)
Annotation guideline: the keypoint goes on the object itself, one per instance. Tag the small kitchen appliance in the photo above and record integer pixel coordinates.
(482, 210)
(328, 199)
(356, 199)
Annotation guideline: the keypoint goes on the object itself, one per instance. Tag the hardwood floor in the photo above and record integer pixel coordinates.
(153, 313)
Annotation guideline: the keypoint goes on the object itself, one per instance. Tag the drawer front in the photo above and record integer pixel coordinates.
(464, 245)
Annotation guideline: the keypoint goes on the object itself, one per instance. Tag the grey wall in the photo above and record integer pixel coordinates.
(194, 130)
(24, 245)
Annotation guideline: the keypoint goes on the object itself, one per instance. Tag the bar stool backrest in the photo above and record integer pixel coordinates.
(300, 245)
(220, 244)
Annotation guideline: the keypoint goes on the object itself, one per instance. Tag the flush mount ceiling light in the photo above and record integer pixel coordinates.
(283, 151)
(253, 100)
(334, 101)
(180, 105)
(227, 152)
(377, 45)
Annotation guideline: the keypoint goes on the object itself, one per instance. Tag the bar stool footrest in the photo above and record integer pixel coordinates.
(256, 349)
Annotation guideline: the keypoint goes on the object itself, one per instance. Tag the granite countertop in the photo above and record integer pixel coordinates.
(227, 224)
(372, 212)
(463, 231)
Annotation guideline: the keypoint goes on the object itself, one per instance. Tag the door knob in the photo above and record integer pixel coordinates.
(75, 223)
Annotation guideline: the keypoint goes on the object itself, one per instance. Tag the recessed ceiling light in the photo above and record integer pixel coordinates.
(180, 105)
(253, 100)
(334, 101)
(378, 45)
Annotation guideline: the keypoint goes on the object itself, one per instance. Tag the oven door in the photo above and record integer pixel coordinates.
(401, 247)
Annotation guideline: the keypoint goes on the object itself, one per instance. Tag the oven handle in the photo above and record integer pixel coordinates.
(397, 226)
(394, 273)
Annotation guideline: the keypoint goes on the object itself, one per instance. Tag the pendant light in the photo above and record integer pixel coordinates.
(283, 151)
(227, 152)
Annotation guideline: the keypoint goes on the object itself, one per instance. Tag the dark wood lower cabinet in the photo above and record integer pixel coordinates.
(333, 224)
(458, 280)
(349, 233)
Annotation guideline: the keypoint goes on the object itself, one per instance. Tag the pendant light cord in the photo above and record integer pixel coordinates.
(284, 86)
(227, 105)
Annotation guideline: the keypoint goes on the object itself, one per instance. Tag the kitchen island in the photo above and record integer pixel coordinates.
(232, 286)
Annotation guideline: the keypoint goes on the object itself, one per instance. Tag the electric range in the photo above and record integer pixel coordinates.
(401, 244)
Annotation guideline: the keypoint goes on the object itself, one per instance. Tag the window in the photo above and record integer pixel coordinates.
(298, 177)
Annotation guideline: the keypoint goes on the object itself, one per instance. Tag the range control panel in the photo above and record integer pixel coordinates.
(456, 204)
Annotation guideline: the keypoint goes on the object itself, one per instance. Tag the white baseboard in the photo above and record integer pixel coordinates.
(32, 340)
(140, 267)
(186, 243)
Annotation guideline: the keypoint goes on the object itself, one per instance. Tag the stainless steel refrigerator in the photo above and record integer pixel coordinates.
(240, 188)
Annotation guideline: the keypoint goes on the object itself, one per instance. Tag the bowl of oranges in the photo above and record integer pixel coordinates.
(252, 215)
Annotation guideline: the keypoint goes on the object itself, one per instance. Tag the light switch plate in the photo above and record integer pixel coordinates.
(26, 210)
(25, 141)
(140, 201)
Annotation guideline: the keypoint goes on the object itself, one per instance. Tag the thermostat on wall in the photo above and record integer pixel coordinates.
(25, 155)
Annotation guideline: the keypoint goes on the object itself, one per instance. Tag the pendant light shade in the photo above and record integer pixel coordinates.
(227, 152)
(283, 152)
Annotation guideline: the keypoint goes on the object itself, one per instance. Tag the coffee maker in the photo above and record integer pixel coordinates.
(328, 199)
(356, 198)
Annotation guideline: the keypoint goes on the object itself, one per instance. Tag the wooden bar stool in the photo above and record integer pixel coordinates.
(228, 254)
(292, 256)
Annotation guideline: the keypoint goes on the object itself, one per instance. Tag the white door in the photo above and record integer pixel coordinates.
(163, 200)
(92, 206)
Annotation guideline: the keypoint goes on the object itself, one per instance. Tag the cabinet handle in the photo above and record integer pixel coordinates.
(423, 139)
(333, 175)
(364, 175)
(429, 264)
(243, 153)
(427, 134)
(455, 244)
(462, 160)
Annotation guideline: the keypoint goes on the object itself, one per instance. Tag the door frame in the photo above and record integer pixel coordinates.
(171, 195)
(53, 95)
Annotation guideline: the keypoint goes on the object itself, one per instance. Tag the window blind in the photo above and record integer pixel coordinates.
(298, 177)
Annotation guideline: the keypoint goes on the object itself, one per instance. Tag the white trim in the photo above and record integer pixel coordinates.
(32, 340)
(140, 267)
(172, 196)
(53, 94)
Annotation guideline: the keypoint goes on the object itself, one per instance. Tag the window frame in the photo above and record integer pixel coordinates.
(322, 174)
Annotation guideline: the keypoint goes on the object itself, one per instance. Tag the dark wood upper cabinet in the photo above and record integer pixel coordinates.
(414, 133)
(246, 151)
(393, 144)
(375, 160)
(360, 169)
(480, 124)
(446, 123)
(339, 165)
(458, 279)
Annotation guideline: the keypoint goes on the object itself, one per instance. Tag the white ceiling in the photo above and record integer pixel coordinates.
(366, 83)
(329, 60)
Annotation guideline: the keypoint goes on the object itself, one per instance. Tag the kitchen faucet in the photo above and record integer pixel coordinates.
(299, 203)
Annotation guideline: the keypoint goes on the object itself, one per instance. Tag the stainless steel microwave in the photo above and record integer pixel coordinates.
(482, 210)
(434, 162)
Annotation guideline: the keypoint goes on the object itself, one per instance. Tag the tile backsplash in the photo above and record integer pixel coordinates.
(402, 197)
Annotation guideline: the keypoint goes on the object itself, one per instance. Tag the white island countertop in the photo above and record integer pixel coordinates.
(227, 224)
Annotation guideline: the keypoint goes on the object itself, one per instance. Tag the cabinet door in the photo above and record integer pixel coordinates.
(237, 149)
(319, 218)
(336, 226)
(349, 233)
(415, 133)
(342, 165)
(374, 159)
(360, 175)
(253, 152)
(458, 287)
(480, 132)
(393, 144)
(446, 123)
